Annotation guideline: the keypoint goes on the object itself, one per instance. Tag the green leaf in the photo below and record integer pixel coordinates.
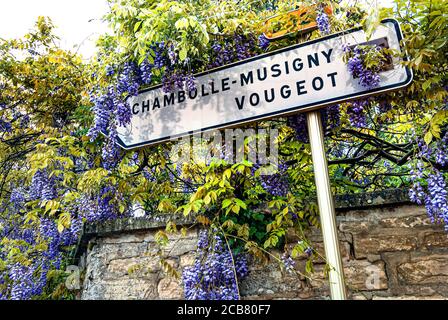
(428, 137)
(183, 54)
(182, 23)
(207, 199)
(426, 84)
(240, 203)
(309, 266)
(137, 25)
(60, 227)
(227, 173)
(226, 203)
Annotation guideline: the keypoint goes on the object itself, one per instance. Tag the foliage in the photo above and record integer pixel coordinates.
(60, 166)
(41, 89)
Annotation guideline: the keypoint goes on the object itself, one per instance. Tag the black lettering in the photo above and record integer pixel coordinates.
(133, 108)
(257, 99)
(297, 64)
(167, 100)
(276, 70)
(286, 67)
(264, 76)
(269, 99)
(181, 96)
(240, 104)
(320, 81)
(204, 94)
(327, 54)
(333, 80)
(246, 79)
(313, 60)
(287, 94)
(212, 84)
(225, 84)
(156, 104)
(145, 106)
(191, 96)
(301, 87)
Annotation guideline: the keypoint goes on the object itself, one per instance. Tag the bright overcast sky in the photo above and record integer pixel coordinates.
(78, 22)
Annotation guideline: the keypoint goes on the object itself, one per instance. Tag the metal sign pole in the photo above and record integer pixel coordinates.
(326, 206)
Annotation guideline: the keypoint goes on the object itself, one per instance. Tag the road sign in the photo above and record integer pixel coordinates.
(302, 77)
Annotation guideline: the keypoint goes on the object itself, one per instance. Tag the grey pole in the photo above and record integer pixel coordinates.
(326, 206)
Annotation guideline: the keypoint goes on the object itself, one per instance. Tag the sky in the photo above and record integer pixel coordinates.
(78, 22)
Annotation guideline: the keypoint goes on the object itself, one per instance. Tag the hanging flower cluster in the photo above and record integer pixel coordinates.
(429, 186)
(215, 272)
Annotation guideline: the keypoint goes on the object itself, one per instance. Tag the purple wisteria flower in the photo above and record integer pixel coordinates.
(263, 42)
(367, 78)
(323, 23)
(288, 262)
(356, 113)
(212, 276)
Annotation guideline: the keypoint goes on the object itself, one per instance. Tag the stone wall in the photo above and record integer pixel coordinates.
(390, 250)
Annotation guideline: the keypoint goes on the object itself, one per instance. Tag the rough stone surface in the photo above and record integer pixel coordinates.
(431, 269)
(390, 250)
(169, 288)
(364, 275)
(279, 285)
(384, 240)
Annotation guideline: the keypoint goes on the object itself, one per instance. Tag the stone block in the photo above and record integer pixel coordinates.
(170, 288)
(134, 267)
(269, 279)
(435, 239)
(314, 294)
(373, 257)
(344, 248)
(180, 247)
(134, 237)
(359, 275)
(359, 297)
(187, 260)
(430, 269)
(366, 221)
(384, 241)
(354, 227)
(419, 221)
(109, 251)
(365, 275)
(130, 289)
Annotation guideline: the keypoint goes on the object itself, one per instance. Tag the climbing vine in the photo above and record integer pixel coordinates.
(60, 165)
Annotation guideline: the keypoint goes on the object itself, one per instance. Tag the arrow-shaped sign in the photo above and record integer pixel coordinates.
(302, 77)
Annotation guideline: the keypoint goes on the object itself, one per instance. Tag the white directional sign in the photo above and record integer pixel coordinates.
(298, 78)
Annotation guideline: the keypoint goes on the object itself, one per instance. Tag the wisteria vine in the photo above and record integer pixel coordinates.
(216, 270)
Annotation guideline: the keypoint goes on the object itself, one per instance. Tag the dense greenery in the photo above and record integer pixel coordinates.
(57, 171)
